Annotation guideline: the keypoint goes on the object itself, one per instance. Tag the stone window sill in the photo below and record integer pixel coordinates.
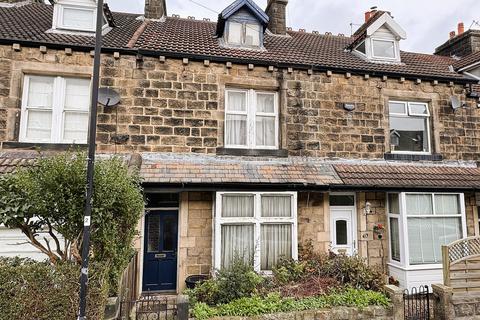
(43, 146)
(252, 152)
(413, 157)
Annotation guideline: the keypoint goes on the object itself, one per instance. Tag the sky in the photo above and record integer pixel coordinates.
(427, 22)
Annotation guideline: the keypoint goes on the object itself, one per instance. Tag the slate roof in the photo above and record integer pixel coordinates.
(10, 161)
(195, 39)
(467, 60)
(32, 22)
(204, 169)
(403, 176)
(172, 168)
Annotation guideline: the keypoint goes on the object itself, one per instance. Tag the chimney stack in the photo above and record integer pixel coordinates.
(452, 34)
(276, 11)
(461, 28)
(369, 14)
(155, 9)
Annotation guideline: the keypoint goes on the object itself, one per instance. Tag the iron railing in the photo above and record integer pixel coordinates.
(416, 303)
(149, 307)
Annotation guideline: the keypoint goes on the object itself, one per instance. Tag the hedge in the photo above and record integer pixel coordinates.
(41, 291)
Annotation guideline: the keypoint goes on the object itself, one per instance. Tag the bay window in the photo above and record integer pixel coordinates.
(55, 109)
(251, 119)
(423, 223)
(259, 228)
(409, 127)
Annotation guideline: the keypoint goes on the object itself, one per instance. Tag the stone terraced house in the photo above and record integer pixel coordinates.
(253, 138)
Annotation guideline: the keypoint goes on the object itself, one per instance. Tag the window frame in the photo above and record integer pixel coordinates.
(257, 221)
(243, 34)
(251, 114)
(404, 262)
(395, 49)
(58, 111)
(408, 114)
(59, 23)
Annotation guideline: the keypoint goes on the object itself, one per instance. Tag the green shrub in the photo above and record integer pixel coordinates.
(289, 271)
(206, 292)
(41, 291)
(239, 280)
(274, 303)
(350, 271)
(50, 197)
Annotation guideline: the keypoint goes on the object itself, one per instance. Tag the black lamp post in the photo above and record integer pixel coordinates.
(92, 132)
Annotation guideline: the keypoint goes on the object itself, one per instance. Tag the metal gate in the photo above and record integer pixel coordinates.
(416, 303)
(149, 307)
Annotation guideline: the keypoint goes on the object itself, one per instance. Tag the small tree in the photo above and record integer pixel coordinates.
(49, 198)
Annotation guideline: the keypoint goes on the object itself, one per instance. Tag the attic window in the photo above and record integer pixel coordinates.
(384, 49)
(79, 15)
(362, 48)
(243, 34)
(77, 18)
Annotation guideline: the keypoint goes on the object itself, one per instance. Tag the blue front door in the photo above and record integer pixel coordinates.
(160, 251)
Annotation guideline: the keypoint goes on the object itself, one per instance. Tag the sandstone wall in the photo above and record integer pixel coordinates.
(195, 239)
(178, 106)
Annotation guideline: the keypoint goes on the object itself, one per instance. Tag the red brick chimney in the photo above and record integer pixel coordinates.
(461, 28)
(369, 14)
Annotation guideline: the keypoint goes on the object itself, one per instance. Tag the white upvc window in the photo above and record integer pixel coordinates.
(251, 119)
(241, 33)
(384, 48)
(55, 109)
(420, 223)
(409, 127)
(259, 227)
(75, 16)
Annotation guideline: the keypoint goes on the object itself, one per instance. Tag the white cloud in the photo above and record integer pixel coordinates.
(427, 22)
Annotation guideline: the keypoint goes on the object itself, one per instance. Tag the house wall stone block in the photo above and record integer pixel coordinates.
(171, 107)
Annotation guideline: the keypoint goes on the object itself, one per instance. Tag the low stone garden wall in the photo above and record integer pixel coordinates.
(343, 313)
(449, 306)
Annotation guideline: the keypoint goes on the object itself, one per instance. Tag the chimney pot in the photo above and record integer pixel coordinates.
(452, 34)
(276, 11)
(461, 28)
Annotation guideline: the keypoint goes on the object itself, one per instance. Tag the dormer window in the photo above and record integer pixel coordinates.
(243, 34)
(378, 38)
(78, 15)
(242, 25)
(73, 18)
(384, 49)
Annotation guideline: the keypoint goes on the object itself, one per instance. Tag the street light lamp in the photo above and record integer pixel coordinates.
(92, 132)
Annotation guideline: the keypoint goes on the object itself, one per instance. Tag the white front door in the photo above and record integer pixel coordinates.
(342, 230)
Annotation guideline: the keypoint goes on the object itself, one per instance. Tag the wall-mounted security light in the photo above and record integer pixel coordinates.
(368, 208)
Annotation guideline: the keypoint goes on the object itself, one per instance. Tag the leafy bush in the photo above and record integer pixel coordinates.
(50, 196)
(273, 303)
(41, 291)
(347, 270)
(237, 281)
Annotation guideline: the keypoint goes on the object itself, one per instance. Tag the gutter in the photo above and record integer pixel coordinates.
(176, 187)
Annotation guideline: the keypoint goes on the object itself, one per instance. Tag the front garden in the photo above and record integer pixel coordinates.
(46, 203)
(316, 281)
